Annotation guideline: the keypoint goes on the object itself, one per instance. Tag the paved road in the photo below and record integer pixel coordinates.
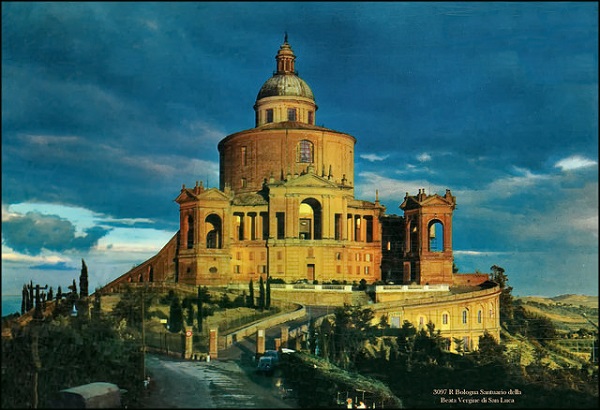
(227, 382)
(177, 383)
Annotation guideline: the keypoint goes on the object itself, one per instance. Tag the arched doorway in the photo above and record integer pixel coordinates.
(310, 217)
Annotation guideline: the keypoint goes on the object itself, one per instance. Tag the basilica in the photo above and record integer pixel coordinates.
(286, 209)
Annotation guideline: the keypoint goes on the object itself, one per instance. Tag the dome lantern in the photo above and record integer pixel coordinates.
(285, 58)
(285, 96)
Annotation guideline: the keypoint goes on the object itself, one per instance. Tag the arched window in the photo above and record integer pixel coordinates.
(305, 152)
(213, 228)
(436, 236)
(465, 314)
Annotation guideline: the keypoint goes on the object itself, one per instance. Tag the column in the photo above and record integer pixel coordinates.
(285, 334)
(260, 341)
(213, 343)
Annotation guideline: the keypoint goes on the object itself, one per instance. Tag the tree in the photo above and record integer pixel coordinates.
(83, 280)
(190, 313)
(312, 336)
(97, 307)
(202, 297)
(251, 294)
(325, 340)
(175, 316)
(240, 300)
(268, 295)
(460, 344)
(129, 306)
(225, 302)
(490, 350)
(506, 299)
(383, 324)
(24, 299)
(31, 297)
(352, 328)
(261, 294)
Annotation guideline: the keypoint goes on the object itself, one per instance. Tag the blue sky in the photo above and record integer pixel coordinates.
(108, 108)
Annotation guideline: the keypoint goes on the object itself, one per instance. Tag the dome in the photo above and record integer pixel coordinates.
(285, 85)
(285, 81)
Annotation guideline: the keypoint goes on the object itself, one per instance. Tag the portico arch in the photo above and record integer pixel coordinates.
(310, 219)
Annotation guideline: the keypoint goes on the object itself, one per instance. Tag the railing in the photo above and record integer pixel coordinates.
(306, 286)
(412, 288)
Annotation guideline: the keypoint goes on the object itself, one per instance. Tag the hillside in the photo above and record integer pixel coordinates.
(569, 313)
(569, 299)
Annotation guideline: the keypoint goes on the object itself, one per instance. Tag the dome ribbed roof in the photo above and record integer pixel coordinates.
(285, 81)
(285, 85)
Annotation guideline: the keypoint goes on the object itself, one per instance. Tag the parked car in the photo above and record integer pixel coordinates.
(265, 365)
(274, 354)
(268, 362)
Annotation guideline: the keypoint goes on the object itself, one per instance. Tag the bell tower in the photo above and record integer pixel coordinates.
(428, 257)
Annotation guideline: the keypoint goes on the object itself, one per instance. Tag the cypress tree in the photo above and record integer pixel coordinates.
(83, 280)
(24, 299)
(251, 295)
(261, 294)
(268, 296)
(73, 288)
(190, 314)
(30, 299)
(175, 316)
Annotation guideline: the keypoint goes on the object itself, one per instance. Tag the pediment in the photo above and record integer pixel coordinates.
(212, 194)
(186, 195)
(435, 200)
(310, 180)
(411, 202)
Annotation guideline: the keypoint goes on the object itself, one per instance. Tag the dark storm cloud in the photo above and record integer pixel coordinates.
(33, 232)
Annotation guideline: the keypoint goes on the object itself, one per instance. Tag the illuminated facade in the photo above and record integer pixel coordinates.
(285, 209)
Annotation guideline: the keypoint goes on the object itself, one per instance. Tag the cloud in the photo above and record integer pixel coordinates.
(373, 157)
(8, 255)
(424, 157)
(574, 162)
(479, 253)
(54, 266)
(32, 232)
(388, 188)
